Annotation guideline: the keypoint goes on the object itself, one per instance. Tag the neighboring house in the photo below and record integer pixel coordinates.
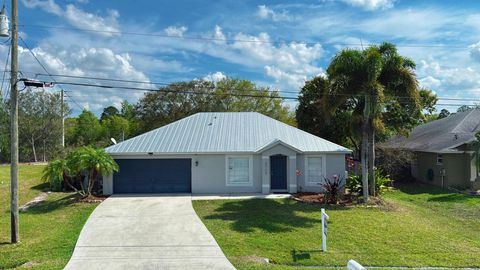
(234, 152)
(444, 150)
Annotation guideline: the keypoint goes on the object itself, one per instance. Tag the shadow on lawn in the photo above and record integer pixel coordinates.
(435, 194)
(298, 255)
(269, 215)
(42, 187)
(49, 206)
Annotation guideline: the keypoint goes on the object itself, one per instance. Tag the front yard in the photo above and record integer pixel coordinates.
(418, 226)
(48, 231)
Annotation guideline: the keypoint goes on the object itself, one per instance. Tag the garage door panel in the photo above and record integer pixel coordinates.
(153, 176)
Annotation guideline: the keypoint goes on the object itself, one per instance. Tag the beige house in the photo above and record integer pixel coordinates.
(444, 150)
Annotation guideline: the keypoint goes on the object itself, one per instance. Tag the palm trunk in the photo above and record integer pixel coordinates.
(364, 152)
(371, 159)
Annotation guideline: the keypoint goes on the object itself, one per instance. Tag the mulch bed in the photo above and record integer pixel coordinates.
(319, 198)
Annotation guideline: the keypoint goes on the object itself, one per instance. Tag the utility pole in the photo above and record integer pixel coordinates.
(63, 118)
(14, 128)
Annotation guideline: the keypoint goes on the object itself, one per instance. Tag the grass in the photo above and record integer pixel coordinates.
(48, 231)
(423, 226)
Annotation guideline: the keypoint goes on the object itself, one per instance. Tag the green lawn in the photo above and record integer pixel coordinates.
(422, 226)
(48, 231)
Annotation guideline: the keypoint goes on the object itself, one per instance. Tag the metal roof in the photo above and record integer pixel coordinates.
(225, 132)
(441, 136)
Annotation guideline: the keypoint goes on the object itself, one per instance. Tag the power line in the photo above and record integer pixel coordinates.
(170, 83)
(4, 73)
(208, 39)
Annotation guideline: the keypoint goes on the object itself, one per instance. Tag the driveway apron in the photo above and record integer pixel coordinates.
(146, 232)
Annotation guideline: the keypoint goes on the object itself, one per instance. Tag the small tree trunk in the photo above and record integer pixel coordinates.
(32, 140)
(44, 152)
(364, 152)
(371, 159)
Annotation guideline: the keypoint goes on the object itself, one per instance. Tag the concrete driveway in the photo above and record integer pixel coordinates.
(146, 232)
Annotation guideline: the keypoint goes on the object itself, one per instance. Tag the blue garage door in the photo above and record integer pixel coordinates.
(153, 176)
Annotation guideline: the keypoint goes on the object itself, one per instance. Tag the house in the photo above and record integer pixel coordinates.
(229, 152)
(444, 151)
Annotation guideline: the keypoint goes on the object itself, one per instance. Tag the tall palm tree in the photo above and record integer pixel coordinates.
(374, 79)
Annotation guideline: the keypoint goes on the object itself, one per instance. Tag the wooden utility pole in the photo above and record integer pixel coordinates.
(14, 128)
(63, 118)
(364, 152)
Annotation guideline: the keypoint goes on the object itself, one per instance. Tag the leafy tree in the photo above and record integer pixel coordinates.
(182, 99)
(4, 132)
(466, 108)
(443, 113)
(383, 88)
(39, 124)
(115, 127)
(109, 112)
(88, 130)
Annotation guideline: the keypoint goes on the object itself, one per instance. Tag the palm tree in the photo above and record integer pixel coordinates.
(96, 162)
(373, 79)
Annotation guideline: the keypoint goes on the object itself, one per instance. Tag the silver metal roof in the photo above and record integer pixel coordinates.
(441, 136)
(226, 132)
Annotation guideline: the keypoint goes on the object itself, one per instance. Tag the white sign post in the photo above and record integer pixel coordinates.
(324, 230)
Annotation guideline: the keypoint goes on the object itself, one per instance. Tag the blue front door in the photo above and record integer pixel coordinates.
(278, 172)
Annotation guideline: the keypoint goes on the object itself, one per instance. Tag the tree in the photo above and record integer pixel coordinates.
(336, 128)
(4, 132)
(88, 130)
(109, 112)
(443, 113)
(179, 100)
(115, 127)
(379, 82)
(466, 108)
(39, 124)
(95, 162)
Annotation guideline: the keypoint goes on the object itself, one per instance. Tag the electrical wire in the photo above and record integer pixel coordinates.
(4, 73)
(207, 39)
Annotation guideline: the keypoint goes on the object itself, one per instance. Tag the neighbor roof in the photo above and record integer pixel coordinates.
(226, 132)
(441, 136)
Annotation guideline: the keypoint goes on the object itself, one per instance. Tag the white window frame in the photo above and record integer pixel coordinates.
(439, 159)
(324, 170)
(250, 171)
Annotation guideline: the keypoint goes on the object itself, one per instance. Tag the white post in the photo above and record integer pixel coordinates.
(324, 230)
(353, 265)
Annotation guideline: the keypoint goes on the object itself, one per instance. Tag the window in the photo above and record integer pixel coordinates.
(239, 171)
(439, 159)
(315, 170)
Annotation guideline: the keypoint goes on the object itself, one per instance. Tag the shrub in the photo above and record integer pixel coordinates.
(333, 189)
(86, 160)
(382, 182)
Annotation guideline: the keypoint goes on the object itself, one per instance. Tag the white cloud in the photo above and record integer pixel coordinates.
(475, 52)
(370, 4)
(430, 82)
(175, 31)
(215, 77)
(265, 12)
(91, 62)
(80, 18)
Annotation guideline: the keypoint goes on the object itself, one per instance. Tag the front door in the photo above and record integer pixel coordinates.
(278, 172)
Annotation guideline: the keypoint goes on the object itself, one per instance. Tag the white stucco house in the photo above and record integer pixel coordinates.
(220, 153)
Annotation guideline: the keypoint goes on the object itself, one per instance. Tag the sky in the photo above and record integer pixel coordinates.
(279, 44)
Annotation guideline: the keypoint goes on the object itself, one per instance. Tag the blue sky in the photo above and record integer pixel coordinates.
(443, 37)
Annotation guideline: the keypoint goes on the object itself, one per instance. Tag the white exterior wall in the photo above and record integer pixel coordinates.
(210, 175)
(334, 165)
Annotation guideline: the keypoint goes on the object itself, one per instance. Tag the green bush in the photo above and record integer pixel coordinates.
(382, 182)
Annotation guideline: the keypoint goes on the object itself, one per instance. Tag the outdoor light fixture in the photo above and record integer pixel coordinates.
(196, 163)
(3, 23)
(150, 153)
